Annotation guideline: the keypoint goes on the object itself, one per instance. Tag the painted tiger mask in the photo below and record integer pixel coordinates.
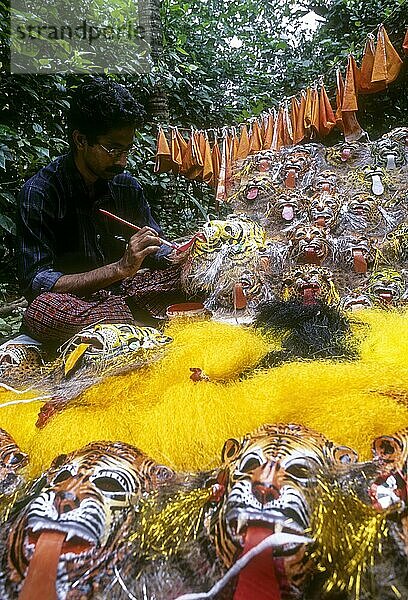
(309, 244)
(324, 208)
(268, 473)
(309, 284)
(12, 459)
(390, 489)
(86, 501)
(386, 288)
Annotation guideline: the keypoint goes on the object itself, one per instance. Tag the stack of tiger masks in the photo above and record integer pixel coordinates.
(342, 208)
(84, 520)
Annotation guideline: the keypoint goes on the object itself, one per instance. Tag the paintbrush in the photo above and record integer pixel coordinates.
(135, 227)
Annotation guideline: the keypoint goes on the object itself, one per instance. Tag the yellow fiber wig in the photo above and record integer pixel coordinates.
(184, 423)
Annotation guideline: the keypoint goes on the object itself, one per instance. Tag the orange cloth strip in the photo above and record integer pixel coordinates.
(244, 145)
(163, 158)
(327, 120)
(216, 163)
(267, 142)
(315, 124)
(193, 161)
(349, 102)
(366, 86)
(387, 63)
(256, 138)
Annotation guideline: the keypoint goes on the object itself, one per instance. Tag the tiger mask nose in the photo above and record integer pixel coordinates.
(65, 502)
(267, 481)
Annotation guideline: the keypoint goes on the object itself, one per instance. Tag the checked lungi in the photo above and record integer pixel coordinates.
(54, 317)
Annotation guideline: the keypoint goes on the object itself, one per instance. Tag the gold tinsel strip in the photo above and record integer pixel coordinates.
(164, 531)
(348, 533)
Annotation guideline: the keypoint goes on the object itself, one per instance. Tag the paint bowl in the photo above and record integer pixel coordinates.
(188, 310)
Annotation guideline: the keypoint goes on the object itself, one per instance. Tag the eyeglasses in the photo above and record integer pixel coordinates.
(117, 152)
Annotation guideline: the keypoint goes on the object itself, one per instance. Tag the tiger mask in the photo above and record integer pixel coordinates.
(297, 167)
(309, 284)
(267, 474)
(285, 207)
(86, 499)
(362, 212)
(390, 489)
(12, 459)
(224, 253)
(324, 208)
(325, 181)
(309, 244)
(388, 153)
(386, 288)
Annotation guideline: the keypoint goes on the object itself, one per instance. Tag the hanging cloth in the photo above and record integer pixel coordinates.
(216, 163)
(277, 141)
(267, 141)
(175, 151)
(315, 123)
(256, 138)
(181, 142)
(307, 116)
(300, 127)
(234, 144)
(163, 161)
(287, 131)
(366, 86)
(339, 99)
(225, 169)
(192, 160)
(351, 127)
(349, 103)
(387, 63)
(294, 115)
(244, 146)
(405, 43)
(327, 120)
(205, 150)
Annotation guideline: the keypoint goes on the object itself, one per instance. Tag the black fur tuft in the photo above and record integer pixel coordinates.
(315, 331)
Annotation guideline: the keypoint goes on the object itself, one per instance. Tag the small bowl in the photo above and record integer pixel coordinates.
(189, 310)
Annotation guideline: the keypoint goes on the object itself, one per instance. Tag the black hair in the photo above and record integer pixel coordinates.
(100, 105)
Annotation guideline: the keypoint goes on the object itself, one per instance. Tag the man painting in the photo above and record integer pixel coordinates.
(77, 266)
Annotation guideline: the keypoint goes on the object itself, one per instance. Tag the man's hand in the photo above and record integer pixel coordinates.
(143, 243)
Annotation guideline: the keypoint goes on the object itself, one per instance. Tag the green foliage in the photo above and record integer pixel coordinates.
(209, 83)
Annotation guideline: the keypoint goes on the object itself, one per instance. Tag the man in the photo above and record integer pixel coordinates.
(77, 266)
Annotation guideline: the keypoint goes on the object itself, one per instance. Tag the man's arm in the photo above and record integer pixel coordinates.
(142, 244)
(36, 226)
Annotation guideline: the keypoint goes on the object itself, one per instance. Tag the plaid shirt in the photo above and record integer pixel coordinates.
(61, 231)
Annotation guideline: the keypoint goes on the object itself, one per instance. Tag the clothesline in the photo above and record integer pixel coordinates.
(308, 115)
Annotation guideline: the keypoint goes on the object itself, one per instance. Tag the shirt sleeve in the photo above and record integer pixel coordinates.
(138, 211)
(35, 241)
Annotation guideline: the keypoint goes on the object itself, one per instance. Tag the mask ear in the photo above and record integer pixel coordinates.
(230, 450)
(387, 449)
(344, 455)
(163, 474)
(58, 461)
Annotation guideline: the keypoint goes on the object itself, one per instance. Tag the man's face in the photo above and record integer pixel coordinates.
(108, 156)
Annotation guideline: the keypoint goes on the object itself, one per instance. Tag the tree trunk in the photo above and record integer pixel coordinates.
(150, 19)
